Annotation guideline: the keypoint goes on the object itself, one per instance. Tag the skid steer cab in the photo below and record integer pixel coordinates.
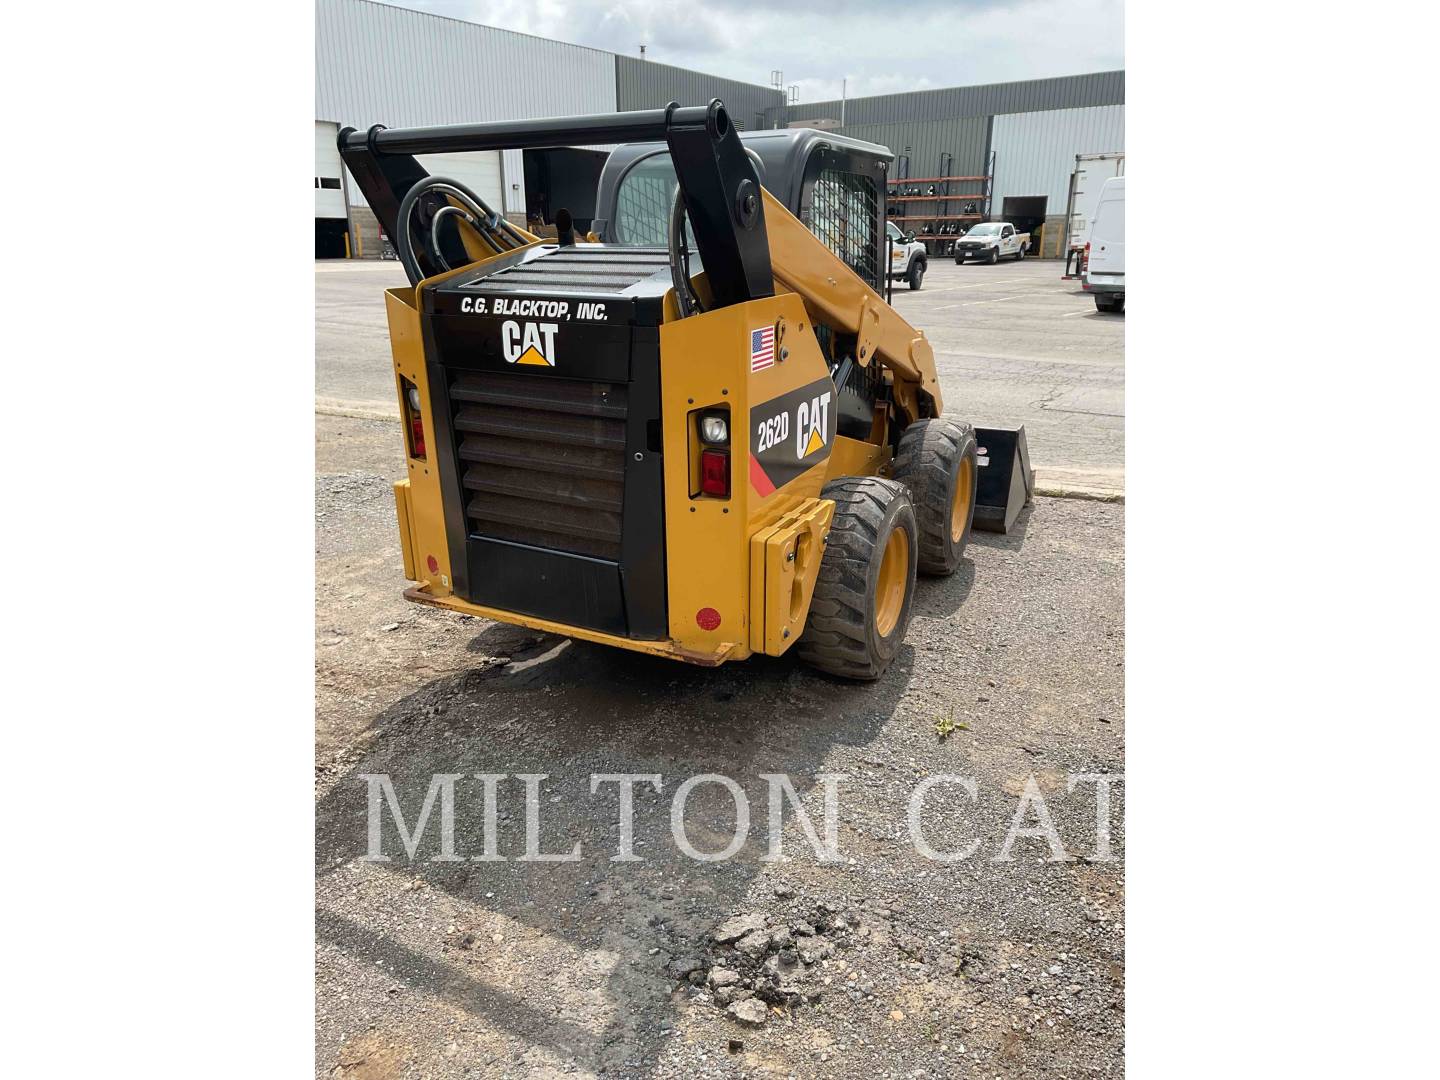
(699, 433)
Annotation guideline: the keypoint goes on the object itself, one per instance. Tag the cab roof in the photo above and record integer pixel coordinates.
(782, 152)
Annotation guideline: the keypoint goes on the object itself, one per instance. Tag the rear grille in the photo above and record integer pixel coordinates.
(590, 269)
(542, 460)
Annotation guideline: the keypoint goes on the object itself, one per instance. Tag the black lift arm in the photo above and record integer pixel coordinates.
(718, 181)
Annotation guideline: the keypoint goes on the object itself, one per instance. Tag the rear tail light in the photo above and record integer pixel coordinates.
(414, 419)
(715, 472)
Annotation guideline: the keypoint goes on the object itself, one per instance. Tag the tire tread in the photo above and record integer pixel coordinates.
(923, 462)
(836, 638)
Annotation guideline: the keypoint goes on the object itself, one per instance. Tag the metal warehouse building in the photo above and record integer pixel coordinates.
(1012, 144)
(376, 64)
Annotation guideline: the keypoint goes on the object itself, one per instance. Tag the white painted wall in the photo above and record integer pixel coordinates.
(1035, 152)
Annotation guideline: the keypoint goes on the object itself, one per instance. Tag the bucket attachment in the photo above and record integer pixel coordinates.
(1006, 483)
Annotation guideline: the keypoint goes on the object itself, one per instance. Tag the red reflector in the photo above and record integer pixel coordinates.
(432, 564)
(707, 618)
(417, 437)
(714, 473)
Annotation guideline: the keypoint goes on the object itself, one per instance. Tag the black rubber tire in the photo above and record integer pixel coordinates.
(928, 462)
(994, 255)
(840, 636)
(1109, 304)
(916, 274)
(959, 260)
(1020, 255)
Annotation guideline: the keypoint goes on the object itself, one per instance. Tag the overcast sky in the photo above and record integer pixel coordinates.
(880, 48)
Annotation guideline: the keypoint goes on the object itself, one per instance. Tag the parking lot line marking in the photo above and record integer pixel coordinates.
(972, 303)
(977, 285)
(1082, 311)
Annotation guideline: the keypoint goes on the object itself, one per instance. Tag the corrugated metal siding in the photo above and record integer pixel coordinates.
(1035, 152)
(376, 64)
(965, 139)
(643, 84)
(993, 99)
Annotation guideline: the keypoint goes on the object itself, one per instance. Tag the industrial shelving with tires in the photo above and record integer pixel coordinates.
(954, 210)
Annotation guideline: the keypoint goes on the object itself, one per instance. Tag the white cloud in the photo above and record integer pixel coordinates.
(917, 45)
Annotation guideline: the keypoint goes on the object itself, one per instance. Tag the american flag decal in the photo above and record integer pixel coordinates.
(762, 348)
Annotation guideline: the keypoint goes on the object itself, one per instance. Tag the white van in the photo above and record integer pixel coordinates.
(1105, 252)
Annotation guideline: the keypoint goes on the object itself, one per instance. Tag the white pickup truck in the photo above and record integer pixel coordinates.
(907, 256)
(990, 242)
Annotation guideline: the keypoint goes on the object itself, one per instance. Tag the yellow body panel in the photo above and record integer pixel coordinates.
(427, 514)
(402, 517)
(705, 363)
(851, 457)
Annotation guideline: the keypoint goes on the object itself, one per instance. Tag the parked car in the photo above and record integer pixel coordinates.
(1104, 274)
(908, 259)
(990, 242)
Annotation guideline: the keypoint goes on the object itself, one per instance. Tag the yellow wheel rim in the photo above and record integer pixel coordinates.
(960, 506)
(894, 575)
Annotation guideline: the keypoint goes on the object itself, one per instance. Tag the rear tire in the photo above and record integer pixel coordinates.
(866, 583)
(938, 461)
(917, 273)
(1020, 255)
(1109, 304)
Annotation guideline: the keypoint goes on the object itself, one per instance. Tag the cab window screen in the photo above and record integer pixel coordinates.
(842, 214)
(642, 210)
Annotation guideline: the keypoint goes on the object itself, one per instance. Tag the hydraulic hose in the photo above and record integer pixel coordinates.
(440, 215)
(685, 297)
(497, 232)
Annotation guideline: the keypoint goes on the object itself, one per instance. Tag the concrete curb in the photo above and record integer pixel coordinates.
(358, 410)
(1060, 491)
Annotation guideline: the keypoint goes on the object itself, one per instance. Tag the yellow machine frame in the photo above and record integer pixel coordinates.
(741, 570)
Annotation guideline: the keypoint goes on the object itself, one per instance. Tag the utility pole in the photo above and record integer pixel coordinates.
(843, 83)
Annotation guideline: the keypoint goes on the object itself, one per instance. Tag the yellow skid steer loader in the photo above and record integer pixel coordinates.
(700, 432)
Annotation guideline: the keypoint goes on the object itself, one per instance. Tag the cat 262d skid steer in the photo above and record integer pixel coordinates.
(701, 432)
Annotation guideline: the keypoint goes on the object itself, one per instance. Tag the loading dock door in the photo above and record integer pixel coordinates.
(480, 172)
(1027, 214)
(329, 199)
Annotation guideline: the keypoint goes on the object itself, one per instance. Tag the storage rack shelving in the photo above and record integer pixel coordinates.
(972, 198)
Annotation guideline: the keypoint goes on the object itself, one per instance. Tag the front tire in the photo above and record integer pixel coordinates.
(866, 583)
(959, 260)
(917, 273)
(994, 255)
(938, 461)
